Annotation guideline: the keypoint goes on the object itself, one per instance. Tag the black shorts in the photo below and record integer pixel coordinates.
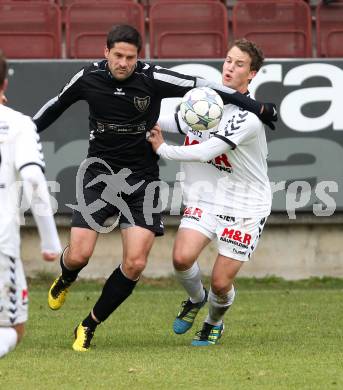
(131, 203)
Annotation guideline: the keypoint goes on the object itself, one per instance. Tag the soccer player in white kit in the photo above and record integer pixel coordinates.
(227, 197)
(21, 159)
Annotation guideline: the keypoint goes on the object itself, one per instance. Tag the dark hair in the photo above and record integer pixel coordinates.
(124, 33)
(3, 68)
(255, 53)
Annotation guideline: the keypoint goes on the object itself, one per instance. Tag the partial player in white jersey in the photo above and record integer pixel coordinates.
(21, 160)
(226, 193)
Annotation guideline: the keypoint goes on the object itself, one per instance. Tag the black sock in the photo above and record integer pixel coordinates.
(90, 322)
(68, 275)
(116, 289)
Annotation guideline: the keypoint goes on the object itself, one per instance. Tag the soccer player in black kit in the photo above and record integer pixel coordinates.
(124, 97)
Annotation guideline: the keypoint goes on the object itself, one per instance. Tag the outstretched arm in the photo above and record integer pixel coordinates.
(174, 84)
(57, 105)
(267, 112)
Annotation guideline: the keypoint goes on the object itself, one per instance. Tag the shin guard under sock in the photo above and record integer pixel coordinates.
(116, 289)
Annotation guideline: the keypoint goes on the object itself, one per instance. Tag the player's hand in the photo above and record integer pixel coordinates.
(49, 256)
(268, 115)
(156, 138)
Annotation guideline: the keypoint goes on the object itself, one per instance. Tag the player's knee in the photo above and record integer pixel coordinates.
(134, 267)
(78, 258)
(20, 329)
(220, 287)
(221, 298)
(180, 261)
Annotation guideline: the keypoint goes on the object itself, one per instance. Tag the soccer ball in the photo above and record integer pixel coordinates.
(201, 108)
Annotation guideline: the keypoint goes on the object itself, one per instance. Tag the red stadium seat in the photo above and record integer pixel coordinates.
(270, 1)
(281, 28)
(190, 29)
(148, 3)
(152, 2)
(30, 30)
(31, 1)
(330, 29)
(65, 3)
(87, 25)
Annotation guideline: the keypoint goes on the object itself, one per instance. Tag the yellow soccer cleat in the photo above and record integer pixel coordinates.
(57, 293)
(83, 337)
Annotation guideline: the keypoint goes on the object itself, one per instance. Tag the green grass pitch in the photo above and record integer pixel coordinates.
(279, 335)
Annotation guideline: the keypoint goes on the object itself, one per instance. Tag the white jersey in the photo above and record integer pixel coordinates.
(19, 147)
(233, 183)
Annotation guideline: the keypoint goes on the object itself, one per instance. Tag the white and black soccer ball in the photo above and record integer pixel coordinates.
(201, 108)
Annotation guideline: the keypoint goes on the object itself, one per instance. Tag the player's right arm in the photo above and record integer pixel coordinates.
(173, 84)
(201, 152)
(30, 163)
(71, 93)
(245, 128)
(173, 123)
(36, 191)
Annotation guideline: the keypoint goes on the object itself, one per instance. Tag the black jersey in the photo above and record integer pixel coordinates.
(121, 112)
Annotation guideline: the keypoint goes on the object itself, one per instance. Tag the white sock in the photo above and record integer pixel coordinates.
(8, 340)
(218, 305)
(191, 282)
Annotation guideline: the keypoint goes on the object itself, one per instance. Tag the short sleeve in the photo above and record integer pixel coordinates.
(28, 149)
(238, 127)
(173, 123)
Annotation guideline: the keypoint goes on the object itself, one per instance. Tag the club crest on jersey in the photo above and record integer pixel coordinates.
(141, 103)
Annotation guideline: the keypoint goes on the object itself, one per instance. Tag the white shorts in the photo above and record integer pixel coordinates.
(237, 238)
(13, 292)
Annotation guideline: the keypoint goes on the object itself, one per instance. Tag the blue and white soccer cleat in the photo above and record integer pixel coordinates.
(186, 316)
(208, 335)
